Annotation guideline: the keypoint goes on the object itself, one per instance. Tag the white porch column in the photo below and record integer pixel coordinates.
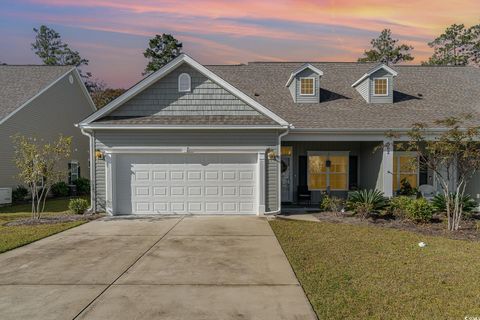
(387, 167)
(261, 183)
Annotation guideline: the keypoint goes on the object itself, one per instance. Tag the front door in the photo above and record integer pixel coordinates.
(287, 191)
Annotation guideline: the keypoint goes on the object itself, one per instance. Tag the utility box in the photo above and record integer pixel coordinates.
(5, 196)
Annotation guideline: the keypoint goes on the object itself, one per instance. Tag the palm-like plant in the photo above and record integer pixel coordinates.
(467, 203)
(364, 202)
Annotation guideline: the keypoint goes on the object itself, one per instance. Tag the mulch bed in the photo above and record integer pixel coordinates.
(438, 227)
(52, 220)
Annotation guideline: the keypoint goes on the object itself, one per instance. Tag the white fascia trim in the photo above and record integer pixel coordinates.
(372, 71)
(187, 149)
(84, 90)
(150, 127)
(359, 130)
(183, 58)
(303, 67)
(36, 96)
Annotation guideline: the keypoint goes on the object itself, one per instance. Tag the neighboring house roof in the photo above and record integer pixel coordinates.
(19, 84)
(421, 93)
(373, 70)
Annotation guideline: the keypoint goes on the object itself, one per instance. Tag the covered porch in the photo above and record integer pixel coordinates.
(319, 164)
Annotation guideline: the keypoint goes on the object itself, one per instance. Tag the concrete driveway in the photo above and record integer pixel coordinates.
(224, 267)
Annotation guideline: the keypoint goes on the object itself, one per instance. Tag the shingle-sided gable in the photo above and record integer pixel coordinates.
(163, 98)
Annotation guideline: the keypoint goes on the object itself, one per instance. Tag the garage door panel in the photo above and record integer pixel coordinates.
(193, 183)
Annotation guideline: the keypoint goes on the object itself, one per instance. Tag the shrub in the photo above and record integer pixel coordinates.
(362, 209)
(333, 204)
(420, 210)
(406, 188)
(373, 197)
(468, 203)
(19, 193)
(398, 206)
(364, 202)
(60, 189)
(83, 186)
(78, 206)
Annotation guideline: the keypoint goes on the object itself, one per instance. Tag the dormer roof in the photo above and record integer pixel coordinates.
(303, 67)
(373, 70)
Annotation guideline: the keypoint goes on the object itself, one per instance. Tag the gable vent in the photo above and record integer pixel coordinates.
(184, 83)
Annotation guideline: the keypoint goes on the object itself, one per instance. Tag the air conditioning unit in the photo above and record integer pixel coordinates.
(5, 195)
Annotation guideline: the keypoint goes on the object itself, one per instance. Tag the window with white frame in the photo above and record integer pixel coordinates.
(307, 86)
(184, 83)
(328, 170)
(380, 86)
(73, 171)
(405, 168)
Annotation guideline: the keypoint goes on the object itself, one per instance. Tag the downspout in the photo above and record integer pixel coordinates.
(279, 196)
(93, 204)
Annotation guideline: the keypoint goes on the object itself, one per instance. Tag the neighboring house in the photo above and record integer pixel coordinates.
(245, 138)
(42, 102)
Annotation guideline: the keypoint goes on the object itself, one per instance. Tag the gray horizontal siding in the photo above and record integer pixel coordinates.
(163, 98)
(362, 88)
(271, 185)
(54, 112)
(154, 138)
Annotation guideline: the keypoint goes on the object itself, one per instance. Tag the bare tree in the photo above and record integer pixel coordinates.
(40, 165)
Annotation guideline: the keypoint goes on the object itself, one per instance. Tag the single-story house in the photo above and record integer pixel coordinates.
(243, 139)
(42, 102)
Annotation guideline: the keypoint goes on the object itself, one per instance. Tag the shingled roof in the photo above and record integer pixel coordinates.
(18, 84)
(421, 93)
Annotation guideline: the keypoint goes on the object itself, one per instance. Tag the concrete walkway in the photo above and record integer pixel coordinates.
(224, 267)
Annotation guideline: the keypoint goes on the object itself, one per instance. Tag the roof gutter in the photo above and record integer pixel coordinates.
(152, 127)
(363, 131)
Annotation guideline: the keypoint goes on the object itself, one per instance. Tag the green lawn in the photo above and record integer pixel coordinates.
(356, 272)
(15, 236)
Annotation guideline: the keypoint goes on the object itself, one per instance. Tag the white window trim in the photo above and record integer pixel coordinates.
(328, 173)
(189, 82)
(399, 173)
(77, 163)
(388, 87)
(300, 88)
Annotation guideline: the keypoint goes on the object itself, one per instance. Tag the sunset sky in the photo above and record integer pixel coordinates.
(112, 34)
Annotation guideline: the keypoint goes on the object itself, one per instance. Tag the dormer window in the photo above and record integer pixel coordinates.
(184, 83)
(377, 84)
(380, 86)
(304, 84)
(307, 86)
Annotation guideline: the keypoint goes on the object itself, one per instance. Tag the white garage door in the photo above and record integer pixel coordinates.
(186, 183)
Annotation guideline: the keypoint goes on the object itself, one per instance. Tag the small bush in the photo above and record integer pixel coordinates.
(60, 189)
(333, 204)
(468, 203)
(398, 206)
(78, 206)
(363, 209)
(83, 186)
(406, 188)
(420, 210)
(19, 194)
